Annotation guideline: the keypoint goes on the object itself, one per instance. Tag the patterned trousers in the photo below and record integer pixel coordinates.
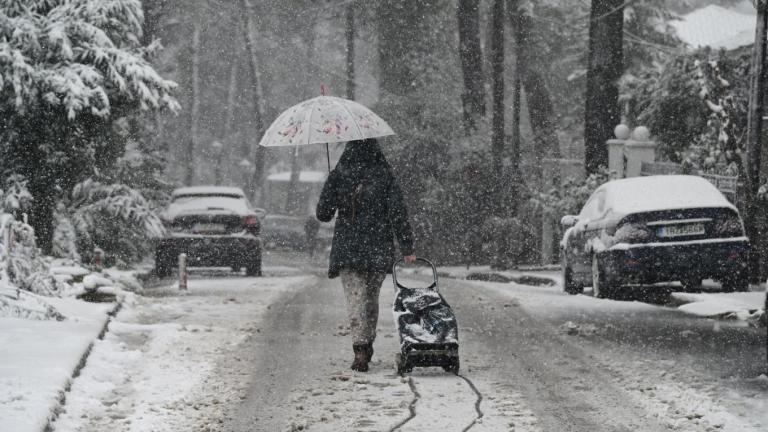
(362, 292)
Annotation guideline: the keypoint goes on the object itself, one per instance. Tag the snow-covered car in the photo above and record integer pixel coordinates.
(653, 229)
(215, 226)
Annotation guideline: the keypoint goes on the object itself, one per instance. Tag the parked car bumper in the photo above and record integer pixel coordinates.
(674, 261)
(212, 250)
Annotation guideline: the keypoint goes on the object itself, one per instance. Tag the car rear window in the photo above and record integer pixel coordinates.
(190, 197)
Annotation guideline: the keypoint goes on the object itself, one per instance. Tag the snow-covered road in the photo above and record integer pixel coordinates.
(272, 354)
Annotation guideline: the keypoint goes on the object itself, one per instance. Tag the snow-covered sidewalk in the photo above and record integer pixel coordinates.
(38, 359)
(168, 362)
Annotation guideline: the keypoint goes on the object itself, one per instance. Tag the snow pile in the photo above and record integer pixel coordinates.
(29, 279)
(717, 27)
(739, 306)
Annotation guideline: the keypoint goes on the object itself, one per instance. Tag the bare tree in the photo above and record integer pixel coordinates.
(605, 66)
(249, 30)
(350, 35)
(470, 52)
(292, 203)
(194, 112)
(531, 67)
(513, 202)
(400, 31)
(497, 93)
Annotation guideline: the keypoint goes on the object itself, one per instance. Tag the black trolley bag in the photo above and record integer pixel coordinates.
(427, 327)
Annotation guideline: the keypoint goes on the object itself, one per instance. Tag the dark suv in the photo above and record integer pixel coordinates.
(215, 226)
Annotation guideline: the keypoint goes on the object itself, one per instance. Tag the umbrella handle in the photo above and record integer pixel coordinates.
(328, 155)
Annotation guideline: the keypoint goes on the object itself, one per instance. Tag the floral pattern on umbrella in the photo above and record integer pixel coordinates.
(324, 119)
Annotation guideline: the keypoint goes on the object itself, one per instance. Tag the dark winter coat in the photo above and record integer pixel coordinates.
(371, 212)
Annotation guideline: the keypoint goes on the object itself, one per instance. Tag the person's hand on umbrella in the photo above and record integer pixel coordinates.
(409, 258)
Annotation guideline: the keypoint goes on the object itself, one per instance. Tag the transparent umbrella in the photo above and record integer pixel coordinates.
(324, 120)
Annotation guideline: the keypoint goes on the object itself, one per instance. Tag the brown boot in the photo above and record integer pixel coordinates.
(363, 354)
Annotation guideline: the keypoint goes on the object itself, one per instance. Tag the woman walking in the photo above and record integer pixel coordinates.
(369, 202)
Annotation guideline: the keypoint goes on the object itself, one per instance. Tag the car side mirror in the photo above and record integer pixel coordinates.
(568, 221)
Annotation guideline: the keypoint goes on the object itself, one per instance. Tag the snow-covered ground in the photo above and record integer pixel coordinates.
(666, 387)
(175, 360)
(37, 358)
(156, 369)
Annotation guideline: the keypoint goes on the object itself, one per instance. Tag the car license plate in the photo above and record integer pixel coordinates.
(681, 230)
(208, 227)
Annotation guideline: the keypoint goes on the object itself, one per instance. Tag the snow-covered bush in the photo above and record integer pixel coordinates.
(571, 195)
(25, 267)
(64, 236)
(113, 217)
(696, 105)
(15, 196)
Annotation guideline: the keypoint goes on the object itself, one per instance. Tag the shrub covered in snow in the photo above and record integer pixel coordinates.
(571, 195)
(696, 104)
(113, 217)
(22, 265)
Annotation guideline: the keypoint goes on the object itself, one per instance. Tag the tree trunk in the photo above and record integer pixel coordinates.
(228, 143)
(400, 27)
(41, 217)
(470, 52)
(497, 88)
(194, 112)
(605, 65)
(517, 89)
(541, 112)
(754, 144)
(249, 30)
(350, 34)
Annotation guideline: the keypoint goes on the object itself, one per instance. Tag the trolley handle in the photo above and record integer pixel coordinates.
(424, 260)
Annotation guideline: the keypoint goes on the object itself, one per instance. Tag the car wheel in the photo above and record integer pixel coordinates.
(254, 266)
(691, 285)
(600, 286)
(568, 284)
(736, 282)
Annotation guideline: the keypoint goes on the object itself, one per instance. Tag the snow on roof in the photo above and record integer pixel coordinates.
(304, 176)
(717, 27)
(208, 190)
(662, 192)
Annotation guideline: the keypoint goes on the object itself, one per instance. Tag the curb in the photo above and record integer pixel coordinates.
(62, 399)
(523, 279)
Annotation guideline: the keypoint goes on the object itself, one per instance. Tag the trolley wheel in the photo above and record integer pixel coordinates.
(402, 365)
(453, 366)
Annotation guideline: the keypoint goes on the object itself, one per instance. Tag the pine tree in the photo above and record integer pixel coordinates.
(69, 69)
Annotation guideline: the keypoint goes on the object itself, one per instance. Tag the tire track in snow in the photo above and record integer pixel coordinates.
(417, 396)
(411, 407)
(477, 402)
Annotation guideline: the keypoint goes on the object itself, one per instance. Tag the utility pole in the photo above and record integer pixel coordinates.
(754, 132)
